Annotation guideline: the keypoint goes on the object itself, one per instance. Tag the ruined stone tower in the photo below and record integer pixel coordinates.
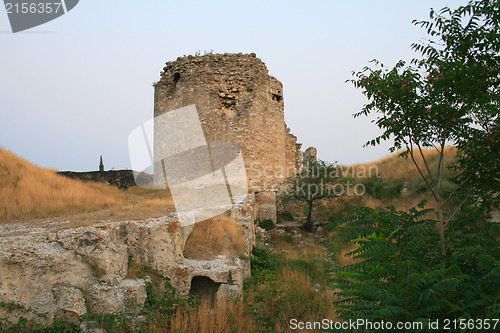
(238, 102)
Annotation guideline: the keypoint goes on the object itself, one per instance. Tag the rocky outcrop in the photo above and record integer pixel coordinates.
(44, 274)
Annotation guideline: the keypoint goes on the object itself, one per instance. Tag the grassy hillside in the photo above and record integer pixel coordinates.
(394, 167)
(391, 181)
(28, 191)
(396, 181)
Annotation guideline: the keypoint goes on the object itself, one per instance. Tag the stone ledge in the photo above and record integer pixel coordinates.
(84, 269)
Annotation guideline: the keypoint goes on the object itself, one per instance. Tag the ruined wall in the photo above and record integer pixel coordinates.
(48, 273)
(238, 102)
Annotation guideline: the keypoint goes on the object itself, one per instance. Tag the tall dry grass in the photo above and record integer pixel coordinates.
(215, 236)
(297, 297)
(27, 191)
(225, 317)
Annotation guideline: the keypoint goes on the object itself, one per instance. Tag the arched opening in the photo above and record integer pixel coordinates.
(204, 288)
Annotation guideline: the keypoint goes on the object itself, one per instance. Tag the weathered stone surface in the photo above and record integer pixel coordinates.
(101, 247)
(267, 212)
(71, 272)
(310, 155)
(227, 291)
(108, 299)
(31, 268)
(69, 299)
(266, 198)
(238, 102)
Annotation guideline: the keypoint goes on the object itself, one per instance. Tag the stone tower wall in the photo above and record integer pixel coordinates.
(239, 102)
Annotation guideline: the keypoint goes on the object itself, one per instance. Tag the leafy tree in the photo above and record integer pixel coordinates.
(316, 181)
(449, 96)
(407, 268)
(397, 274)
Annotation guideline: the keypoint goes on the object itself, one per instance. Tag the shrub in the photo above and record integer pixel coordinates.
(392, 189)
(400, 276)
(266, 224)
(280, 289)
(287, 216)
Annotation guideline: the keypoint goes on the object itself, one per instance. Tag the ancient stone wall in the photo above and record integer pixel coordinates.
(238, 102)
(46, 274)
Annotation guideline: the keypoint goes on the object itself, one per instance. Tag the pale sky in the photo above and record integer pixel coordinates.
(74, 88)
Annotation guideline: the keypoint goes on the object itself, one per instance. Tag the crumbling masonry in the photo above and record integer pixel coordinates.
(47, 273)
(238, 102)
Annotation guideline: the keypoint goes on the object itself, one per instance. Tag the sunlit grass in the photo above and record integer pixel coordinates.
(394, 167)
(224, 317)
(27, 191)
(213, 237)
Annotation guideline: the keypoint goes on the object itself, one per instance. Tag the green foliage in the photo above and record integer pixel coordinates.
(263, 259)
(287, 216)
(398, 275)
(276, 300)
(450, 95)
(29, 326)
(266, 224)
(315, 182)
(419, 186)
(380, 189)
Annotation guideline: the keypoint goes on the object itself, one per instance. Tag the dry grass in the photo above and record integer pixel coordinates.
(296, 298)
(224, 317)
(289, 249)
(29, 194)
(159, 202)
(402, 203)
(395, 167)
(27, 191)
(294, 289)
(213, 237)
(298, 278)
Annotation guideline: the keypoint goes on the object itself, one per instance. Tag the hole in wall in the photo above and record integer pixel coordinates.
(277, 97)
(176, 77)
(204, 287)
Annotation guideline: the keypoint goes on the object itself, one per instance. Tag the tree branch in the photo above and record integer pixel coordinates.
(456, 210)
(455, 190)
(420, 172)
(425, 163)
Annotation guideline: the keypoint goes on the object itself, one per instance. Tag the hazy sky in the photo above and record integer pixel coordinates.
(74, 88)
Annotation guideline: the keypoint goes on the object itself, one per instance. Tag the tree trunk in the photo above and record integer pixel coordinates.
(308, 226)
(439, 205)
(441, 233)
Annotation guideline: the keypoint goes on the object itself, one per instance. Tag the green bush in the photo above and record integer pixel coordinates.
(287, 216)
(24, 325)
(400, 276)
(272, 299)
(419, 186)
(372, 185)
(392, 189)
(380, 189)
(266, 224)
